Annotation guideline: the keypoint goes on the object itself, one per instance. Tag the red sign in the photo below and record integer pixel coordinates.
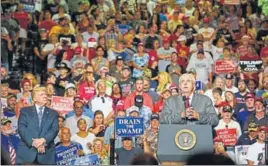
(62, 105)
(224, 67)
(228, 136)
(231, 2)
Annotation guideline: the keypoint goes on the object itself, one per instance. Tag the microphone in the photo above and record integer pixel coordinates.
(185, 106)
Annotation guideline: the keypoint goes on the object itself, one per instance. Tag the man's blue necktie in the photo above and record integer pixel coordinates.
(40, 114)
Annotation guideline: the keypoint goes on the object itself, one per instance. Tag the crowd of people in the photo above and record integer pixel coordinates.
(128, 58)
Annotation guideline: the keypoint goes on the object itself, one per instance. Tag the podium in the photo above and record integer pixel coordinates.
(176, 143)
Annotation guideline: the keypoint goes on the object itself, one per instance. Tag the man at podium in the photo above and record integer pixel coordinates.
(189, 108)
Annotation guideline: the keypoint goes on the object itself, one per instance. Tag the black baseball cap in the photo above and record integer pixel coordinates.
(139, 101)
(154, 116)
(119, 57)
(227, 108)
(201, 51)
(126, 138)
(229, 76)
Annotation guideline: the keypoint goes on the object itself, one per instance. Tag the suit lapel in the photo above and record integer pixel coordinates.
(35, 116)
(44, 118)
(194, 101)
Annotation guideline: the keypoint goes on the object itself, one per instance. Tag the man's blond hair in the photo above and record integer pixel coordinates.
(38, 89)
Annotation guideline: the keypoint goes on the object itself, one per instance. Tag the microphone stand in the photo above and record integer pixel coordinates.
(266, 138)
(112, 145)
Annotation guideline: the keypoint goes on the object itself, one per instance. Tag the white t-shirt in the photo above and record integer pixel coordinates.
(71, 123)
(256, 153)
(87, 36)
(83, 141)
(202, 67)
(51, 59)
(216, 52)
(231, 125)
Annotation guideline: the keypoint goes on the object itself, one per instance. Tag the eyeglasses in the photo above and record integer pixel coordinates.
(78, 107)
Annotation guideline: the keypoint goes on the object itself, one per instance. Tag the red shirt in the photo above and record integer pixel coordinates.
(183, 52)
(242, 50)
(264, 52)
(47, 24)
(152, 57)
(92, 54)
(130, 100)
(158, 106)
(22, 18)
(86, 91)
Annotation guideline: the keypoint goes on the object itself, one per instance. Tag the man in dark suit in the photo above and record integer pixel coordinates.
(190, 108)
(37, 127)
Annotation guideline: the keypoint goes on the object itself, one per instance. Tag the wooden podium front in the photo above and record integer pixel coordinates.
(176, 143)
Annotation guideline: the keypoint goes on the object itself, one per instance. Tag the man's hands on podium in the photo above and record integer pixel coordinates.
(39, 144)
(190, 113)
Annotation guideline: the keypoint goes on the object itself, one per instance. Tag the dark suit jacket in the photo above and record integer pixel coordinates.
(202, 104)
(28, 128)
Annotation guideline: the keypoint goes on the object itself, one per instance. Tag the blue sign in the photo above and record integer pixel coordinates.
(86, 160)
(65, 156)
(198, 85)
(129, 126)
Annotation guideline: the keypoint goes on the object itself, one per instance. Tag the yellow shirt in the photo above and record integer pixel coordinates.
(56, 29)
(172, 25)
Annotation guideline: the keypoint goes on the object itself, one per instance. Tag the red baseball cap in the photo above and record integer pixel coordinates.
(250, 95)
(78, 50)
(119, 106)
(185, 17)
(206, 20)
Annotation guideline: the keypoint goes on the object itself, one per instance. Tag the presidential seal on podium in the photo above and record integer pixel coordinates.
(185, 139)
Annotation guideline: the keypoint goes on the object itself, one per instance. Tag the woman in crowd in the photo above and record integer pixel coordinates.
(25, 96)
(83, 137)
(50, 50)
(231, 100)
(141, 33)
(99, 149)
(32, 79)
(83, 24)
(61, 13)
(99, 61)
(70, 91)
(218, 83)
(116, 94)
(98, 128)
(86, 87)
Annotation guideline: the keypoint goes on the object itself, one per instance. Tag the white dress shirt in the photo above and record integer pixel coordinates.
(38, 109)
(105, 105)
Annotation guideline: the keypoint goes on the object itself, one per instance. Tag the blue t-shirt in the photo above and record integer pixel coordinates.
(86, 111)
(240, 100)
(242, 116)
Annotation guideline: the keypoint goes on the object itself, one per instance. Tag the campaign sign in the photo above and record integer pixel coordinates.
(62, 105)
(228, 136)
(223, 67)
(86, 160)
(129, 126)
(232, 2)
(250, 66)
(241, 154)
(198, 85)
(65, 157)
